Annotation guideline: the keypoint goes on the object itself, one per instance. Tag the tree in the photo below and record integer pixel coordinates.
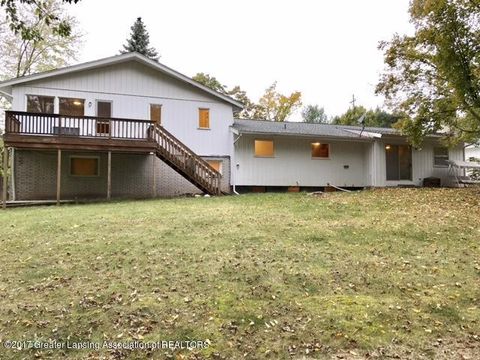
(140, 41)
(274, 106)
(210, 82)
(22, 57)
(20, 26)
(236, 93)
(314, 114)
(433, 77)
(373, 118)
(241, 96)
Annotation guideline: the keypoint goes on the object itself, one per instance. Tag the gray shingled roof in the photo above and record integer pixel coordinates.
(304, 129)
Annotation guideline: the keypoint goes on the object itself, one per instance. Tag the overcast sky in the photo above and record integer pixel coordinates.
(326, 49)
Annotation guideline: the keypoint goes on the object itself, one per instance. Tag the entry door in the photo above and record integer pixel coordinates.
(399, 162)
(104, 113)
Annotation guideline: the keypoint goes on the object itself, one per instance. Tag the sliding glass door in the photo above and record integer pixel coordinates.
(399, 162)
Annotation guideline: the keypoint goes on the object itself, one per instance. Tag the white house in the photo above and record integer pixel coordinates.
(316, 155)
(127, 126)
(472, 151)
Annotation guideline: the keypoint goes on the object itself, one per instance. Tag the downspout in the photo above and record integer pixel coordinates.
(234, 189)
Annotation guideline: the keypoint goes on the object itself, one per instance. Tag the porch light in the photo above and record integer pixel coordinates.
(316, 144)
(388, 147)
(77, 103)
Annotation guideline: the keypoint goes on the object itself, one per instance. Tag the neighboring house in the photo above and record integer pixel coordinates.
(127, 126)
(472, 151)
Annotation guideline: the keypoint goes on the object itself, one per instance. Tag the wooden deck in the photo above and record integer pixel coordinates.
(25, 130)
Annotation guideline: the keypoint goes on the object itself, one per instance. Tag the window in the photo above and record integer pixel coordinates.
(72, 107)
(84, 166)
(264, 148)
(320, 151)
(40, 104)
(104, 111)
(398, 162)
(156, 113)
(440, 156)
(216, 164)
(204, 118)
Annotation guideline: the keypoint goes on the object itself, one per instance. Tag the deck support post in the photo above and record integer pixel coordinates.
(5, 178)
(109, 176)
(59, 174)
(154, 177)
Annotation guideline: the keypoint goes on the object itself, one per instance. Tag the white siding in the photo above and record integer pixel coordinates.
(132, 87)
(472, 152)
(422, 163)
(293, 165)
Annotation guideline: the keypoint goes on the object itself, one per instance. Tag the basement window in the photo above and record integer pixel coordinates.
(84, 166)
(216, 164)
(264, 148)
(440, 156)
(320, 151)
(204, 118)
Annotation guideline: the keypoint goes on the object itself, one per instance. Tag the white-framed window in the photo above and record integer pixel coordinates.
(320, 150)
(440, 156)
(71, 106)
(264, 148)
(84, 166)
(204, 119)
(40, 104)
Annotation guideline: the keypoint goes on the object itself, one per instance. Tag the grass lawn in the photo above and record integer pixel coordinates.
(374, 274)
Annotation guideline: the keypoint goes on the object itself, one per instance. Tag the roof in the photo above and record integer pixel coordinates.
(264, 127)
(117, 59)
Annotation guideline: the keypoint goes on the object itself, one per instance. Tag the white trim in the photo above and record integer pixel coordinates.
(364, 133)
(117, 60)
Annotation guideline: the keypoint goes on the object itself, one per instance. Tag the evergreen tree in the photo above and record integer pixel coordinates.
(139, 41)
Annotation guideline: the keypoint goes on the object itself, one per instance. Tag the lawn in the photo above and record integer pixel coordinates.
(372, 274)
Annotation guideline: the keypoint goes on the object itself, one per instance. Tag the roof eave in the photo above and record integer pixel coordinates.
(116, 60)
(328, 137)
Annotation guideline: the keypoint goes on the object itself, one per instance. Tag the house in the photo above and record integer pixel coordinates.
(277, 154)
(127, 126)
(105, 129)
(472, 151)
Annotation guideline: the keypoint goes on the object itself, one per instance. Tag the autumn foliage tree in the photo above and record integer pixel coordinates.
(275, 106)
(432, 78)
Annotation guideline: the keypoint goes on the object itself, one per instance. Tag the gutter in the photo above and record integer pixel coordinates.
(309, 136)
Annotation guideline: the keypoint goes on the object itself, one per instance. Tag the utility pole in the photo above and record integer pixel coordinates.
(353, 101)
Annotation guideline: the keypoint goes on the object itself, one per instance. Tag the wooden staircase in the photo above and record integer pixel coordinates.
(184, 161)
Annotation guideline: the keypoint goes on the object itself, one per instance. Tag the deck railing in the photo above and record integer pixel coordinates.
(168, 147)
(25, 123)
(199, 171)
